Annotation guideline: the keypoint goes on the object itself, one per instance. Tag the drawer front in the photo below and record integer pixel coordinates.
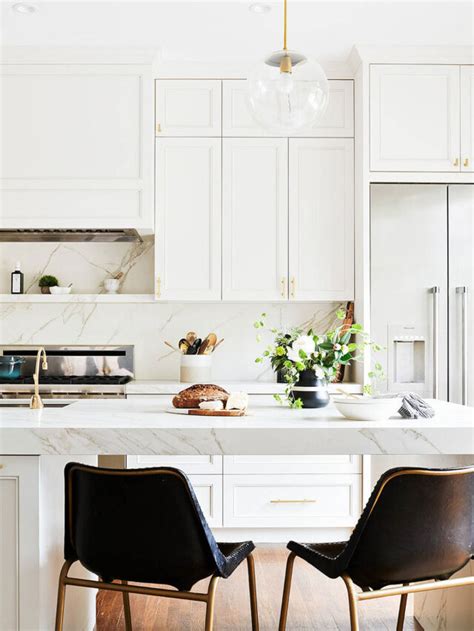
(292, 464)
(189, 464)
(208, 489)
(316, 501)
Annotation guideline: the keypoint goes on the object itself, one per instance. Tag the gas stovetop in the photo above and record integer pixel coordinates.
(76, 380)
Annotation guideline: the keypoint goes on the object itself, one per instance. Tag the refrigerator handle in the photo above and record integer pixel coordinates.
(435, 291)
(463, 292)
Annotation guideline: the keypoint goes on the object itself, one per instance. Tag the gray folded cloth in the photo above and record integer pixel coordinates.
(413, 406)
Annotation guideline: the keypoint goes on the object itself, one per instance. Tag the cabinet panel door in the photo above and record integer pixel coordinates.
(188, 218)
(274, 501)
(76, 150)
(188, 108)
(414, 118)
(19, 542)
(255, 219)
(321, 225)
(467, 118)
(337, 121)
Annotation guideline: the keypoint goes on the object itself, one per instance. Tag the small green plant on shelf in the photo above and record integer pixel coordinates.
(47, 281)
(296, 350)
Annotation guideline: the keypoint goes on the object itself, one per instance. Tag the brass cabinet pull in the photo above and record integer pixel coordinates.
(456, 162)
(158, 128)
(283, 287)
(466, 162)
(304, 501)
(1, 466)
(293, 287)
(158, 287)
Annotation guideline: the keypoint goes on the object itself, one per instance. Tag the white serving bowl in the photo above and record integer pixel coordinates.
(60, 290)
(367, 408)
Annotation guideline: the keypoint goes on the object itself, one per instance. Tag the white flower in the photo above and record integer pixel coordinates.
(337, 347)
(319, 372)
(304, 343)
(345, 349)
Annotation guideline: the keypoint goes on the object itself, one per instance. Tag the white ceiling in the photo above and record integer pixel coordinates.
(226, 30)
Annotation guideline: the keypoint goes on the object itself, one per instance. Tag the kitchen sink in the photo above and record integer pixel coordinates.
(26, 404)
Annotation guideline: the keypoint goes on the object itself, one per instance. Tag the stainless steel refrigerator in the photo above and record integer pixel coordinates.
(422, 273)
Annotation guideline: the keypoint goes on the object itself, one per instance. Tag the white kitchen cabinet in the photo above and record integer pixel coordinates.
(189, 464)
(321, 219)
(188, 218)
(414, 118)
(19, 543)
(281, 465)
(467, 118)
(255, 218)
(315, 501)
(77, 146)
(337, 121)
(188, 107)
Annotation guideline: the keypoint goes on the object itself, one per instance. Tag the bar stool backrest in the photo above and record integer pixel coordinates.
(418, 524)
(141, 525)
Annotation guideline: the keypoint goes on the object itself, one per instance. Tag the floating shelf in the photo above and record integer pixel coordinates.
(76, 298)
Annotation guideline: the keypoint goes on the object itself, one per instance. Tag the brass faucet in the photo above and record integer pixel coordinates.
(36, 403)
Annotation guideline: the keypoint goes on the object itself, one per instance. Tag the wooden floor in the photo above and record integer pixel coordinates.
(316, 603)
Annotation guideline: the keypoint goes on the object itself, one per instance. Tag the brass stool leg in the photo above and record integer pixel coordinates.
(61, 596)
(211, 595)
(353, 601)
(401, 612)
(253, 592)
(126, 609)
(286, 591)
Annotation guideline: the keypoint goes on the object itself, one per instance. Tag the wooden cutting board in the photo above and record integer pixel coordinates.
(199, 412)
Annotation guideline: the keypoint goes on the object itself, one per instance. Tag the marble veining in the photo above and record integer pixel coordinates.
(147, 427)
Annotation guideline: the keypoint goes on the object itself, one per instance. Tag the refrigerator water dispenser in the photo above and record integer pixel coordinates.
(407, 359)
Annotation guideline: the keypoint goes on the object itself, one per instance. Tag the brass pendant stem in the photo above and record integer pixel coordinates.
(284, 23)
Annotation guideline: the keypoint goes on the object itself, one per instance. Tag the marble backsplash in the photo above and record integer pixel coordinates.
(147, 326)
(85, 265)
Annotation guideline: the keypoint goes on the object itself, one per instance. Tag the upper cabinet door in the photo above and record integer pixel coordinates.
(414, 118)
(190, 107)
(467, 118)
(338, 120)
(321, 219)
(255, 219)
(77, 147)
(188, 218)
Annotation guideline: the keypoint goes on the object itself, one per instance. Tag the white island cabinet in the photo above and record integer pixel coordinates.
(77, 146)
(31, 546)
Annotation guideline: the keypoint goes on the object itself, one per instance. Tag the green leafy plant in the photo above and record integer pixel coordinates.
(295, 351)
(48, 281)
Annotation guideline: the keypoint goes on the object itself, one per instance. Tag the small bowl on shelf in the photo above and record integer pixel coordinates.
(367, 408)
(60, 291)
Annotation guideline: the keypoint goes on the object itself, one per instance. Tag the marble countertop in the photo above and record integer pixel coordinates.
(149, 427)
(144, 386)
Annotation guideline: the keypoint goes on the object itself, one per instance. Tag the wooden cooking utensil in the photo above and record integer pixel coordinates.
(208, 345)
(218, 344)
(195, 346)
(191, 337)
(171, 346)
(183, 346)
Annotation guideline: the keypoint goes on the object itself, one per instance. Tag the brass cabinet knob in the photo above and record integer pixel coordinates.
(283, 287)
(158, 128)
(456, 162)
(293, 287)
(158, 287)
(466, 162)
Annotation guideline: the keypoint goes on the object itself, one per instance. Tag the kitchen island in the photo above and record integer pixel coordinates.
(154, 427)
(35, 445)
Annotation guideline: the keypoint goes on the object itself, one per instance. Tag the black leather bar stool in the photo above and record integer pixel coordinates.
(145, 526)
(417, 526)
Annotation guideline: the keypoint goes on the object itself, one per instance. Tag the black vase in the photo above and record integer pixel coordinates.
(312, 390)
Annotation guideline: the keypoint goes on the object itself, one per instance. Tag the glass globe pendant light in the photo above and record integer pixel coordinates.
(287, 92)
